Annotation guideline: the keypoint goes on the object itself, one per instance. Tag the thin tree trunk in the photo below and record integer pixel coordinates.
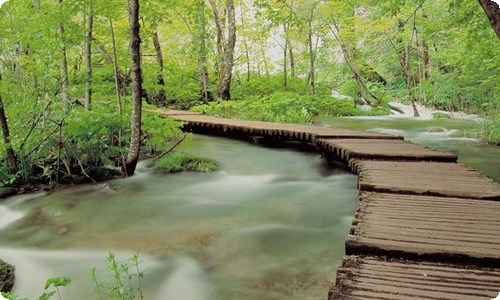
(202, 52)
(224, 86)
(264, 59)
(219, 40)
(64, 60)
(245, 42)
(366, 94)
(115, 68)
(492, 11)
(285, 60)
(88, 58)
(135, 49)
(408, 81)
(162, 97)
(426, 59)
(292, 58)
(11, 158)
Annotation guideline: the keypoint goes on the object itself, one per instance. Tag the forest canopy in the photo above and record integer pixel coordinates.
(69, 80)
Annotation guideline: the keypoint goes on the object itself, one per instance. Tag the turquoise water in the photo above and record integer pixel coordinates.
(270, 224)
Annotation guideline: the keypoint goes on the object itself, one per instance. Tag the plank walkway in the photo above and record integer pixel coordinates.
(425, 228)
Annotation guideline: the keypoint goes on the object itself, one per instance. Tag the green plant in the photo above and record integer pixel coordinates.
(126, 281)
(55, 282)
(180, 161)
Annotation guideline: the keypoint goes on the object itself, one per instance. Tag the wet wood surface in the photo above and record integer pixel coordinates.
(425, 227)
(361, 278)
(435, 228)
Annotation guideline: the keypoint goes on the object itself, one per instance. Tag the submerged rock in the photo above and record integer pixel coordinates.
(6, 276)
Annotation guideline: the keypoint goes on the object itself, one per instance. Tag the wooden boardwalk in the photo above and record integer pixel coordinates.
(425, 228)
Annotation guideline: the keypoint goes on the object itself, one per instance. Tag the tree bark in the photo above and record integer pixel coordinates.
(64, 60)
(285, 60)
(162, 97)
(135, 49)
(368, 96)
(202, 52)
(224, 86)
(115, 68)
(292, 58)
(492, 11)
(11, 158)
(88, 58)
(219, 39)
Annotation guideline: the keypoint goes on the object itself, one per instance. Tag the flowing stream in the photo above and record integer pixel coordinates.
(270, 224)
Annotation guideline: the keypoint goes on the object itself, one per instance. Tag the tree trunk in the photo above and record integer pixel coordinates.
(11, 158)
(368, 96)
(492, 11)
(219, 40)
(115, 68)
(135, 49)
(64, 60)
(264, 59)
(162, 97)
(408, 81)
(88, 58)
(224, 86)
(245, 41)
(202, 52)
(292, 58)
(285, 60)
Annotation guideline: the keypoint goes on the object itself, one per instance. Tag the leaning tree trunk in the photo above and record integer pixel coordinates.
(64, 60)
(492, 11)
(224, 86)
(11, 158)
(88, 58)
(135, 49)
(162, 96)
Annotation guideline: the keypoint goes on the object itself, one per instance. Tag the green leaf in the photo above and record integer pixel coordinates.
(57, 281)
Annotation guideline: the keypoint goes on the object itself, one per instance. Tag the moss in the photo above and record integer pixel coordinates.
(180, 161)
(6, 277)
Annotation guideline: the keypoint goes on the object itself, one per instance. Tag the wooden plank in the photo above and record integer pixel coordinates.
(347, 149)
(307, 133)
(378, 278)
(434, 228)
(424, 178)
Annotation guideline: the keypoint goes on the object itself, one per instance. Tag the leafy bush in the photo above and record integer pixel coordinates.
(283, 107)
(491, 130)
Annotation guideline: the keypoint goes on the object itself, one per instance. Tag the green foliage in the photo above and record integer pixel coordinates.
(181, 161)
(55, 282)
(283, 107)
(125, 281)
(159, 131)
(491, 129)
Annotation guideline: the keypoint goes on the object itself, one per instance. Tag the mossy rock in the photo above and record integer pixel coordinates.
(6, 277)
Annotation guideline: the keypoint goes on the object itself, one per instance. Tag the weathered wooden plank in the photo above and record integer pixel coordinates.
(347, 149)
(378, 278)
(435, 228)
(308, 133)
(425, 178)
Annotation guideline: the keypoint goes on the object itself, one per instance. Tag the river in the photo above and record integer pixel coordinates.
(270, 224)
